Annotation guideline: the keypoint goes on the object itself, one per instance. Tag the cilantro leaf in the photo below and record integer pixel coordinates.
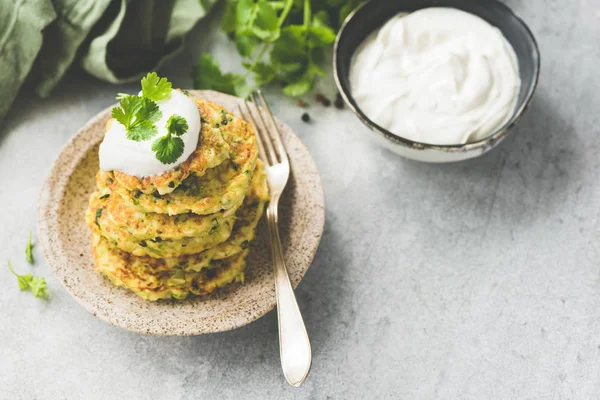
(228, 23)
(263, 73)
(149, 111)
(320, 36)
(244, 13)
(177, 125)
(168, 148)
(141, 131)
(155, 88)
(127, 109)
(207, 75)
(137, 114)
(29, 249)
(265, 24)
(246, 44)
(37, 285)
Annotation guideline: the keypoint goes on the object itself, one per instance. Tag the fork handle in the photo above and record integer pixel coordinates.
(294, 345)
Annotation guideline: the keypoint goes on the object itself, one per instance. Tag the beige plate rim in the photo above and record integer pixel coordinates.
(62, 244)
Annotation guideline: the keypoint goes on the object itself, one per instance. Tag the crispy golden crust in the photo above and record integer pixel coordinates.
(154, 285)
(163, 236)
(243, 233)
(216, 190)
(211, 151)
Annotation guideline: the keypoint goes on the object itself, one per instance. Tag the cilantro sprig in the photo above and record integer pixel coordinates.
(281, 42)
(139, 114)
(169, 147)
(37, 285)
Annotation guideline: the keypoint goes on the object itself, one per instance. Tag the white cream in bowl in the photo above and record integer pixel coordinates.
(438, 76)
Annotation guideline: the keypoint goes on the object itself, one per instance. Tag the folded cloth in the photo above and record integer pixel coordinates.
(115, 40)
(74, 20)
(141, 35)
(21, 25)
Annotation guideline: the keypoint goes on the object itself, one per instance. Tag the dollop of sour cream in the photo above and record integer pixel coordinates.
(438, 75)
(137, 158)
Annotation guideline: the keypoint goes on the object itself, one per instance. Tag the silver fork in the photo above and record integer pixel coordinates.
(294, 345)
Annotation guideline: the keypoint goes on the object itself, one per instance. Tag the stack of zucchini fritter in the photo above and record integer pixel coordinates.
(187, 230)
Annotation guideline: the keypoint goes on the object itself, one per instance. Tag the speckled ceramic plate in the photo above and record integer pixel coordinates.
(66, 243)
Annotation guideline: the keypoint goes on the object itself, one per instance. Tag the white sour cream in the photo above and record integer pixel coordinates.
(137, 158)
(438, 76)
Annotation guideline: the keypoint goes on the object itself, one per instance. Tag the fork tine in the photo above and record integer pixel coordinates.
(264, 133)
(261, 147)
(275, 130)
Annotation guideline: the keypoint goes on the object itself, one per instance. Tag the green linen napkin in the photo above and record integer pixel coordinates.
(142, 35)
(21, 25)
(114, 40)
(74, 20)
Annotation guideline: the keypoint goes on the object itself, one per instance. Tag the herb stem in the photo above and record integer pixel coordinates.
(307, 14)
(286, 10)
(12, 270)
(259, 56)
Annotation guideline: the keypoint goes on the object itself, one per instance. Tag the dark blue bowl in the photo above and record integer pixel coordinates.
(372, 14)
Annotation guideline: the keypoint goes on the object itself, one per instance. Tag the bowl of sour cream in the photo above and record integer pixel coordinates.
(436, 81)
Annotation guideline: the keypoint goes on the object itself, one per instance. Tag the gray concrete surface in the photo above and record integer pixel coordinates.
(477, 280)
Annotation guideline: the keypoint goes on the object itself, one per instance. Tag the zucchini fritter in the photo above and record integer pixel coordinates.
(211, 151)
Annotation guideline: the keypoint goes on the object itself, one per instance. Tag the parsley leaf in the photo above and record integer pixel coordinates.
(37, 285)
(168, 148)
(155, 88)
(29, 249)
(177, 125)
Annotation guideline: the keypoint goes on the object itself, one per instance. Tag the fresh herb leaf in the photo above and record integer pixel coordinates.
(23, 279)
(137, 114)
(281, 41)
(155, 88)
(142, 131)
(177, 125)
(104, 196)
(207, 75)
(149, 111)
(29, 249)
(37, 285)
(128, 108)
(168, 148)
(228, 23)
(321, 36)
(246, 45)
(265, 24)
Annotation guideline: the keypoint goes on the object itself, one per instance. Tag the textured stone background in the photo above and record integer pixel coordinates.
(476, 280)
